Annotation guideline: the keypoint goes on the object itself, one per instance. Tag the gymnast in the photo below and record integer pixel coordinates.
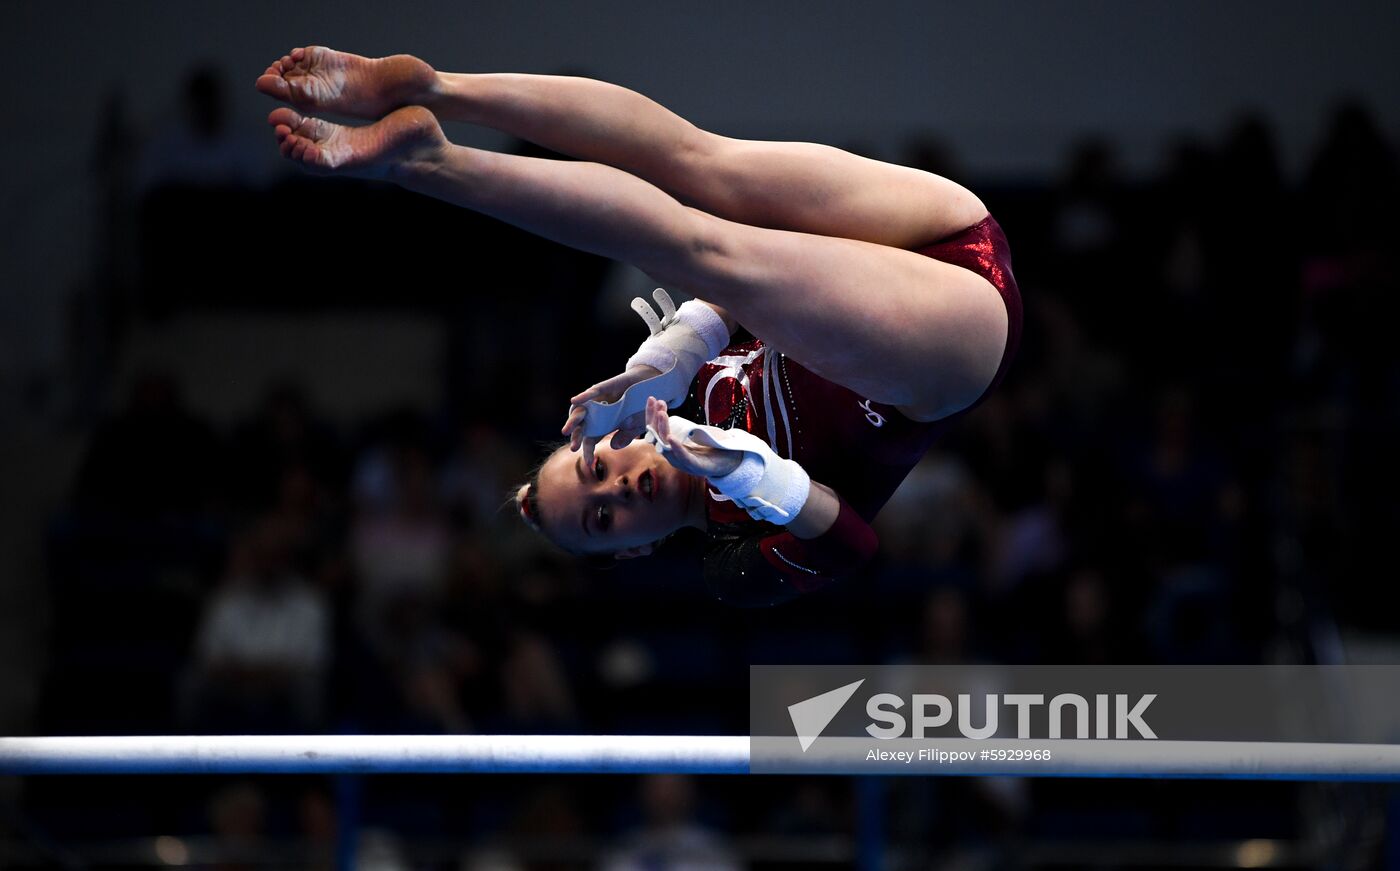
(846, 310)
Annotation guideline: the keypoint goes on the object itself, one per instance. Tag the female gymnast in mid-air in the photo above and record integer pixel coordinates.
(846, 309)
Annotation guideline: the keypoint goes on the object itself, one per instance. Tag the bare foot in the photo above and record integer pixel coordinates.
(319, 79)
(404, 135)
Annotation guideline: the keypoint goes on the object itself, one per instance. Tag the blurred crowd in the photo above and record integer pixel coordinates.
(1189, 463)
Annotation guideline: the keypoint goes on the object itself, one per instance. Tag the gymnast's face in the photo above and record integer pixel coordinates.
(624, 504)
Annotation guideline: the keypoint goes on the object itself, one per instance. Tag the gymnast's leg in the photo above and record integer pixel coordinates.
(799, 186)
(897, 327)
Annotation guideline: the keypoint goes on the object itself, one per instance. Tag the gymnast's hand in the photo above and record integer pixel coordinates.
(611, 390)
(690, 458)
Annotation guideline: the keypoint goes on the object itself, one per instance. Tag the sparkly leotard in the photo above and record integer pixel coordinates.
(858, 448)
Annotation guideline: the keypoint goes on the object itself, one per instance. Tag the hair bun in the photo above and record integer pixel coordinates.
(529, 510)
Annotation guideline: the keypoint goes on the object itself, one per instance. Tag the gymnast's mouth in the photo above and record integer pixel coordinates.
(648, 485)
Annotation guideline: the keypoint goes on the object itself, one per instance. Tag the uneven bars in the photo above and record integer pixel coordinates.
(691, 754)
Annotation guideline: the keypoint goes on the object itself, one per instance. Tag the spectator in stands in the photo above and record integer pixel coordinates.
(672, 838)
(263, 645)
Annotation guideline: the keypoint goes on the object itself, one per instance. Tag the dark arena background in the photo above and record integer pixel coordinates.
(258, 431)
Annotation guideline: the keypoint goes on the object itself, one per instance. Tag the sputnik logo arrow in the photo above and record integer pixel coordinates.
(811, 716)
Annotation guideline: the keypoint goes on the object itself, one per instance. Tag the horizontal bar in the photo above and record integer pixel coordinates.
(690, 754)
(375, 754)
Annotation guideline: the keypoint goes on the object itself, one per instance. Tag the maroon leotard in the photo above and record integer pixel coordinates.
(858, 448)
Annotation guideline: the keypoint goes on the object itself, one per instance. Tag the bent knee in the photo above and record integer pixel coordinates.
(698, 253)
(687, 171)
(712, 173)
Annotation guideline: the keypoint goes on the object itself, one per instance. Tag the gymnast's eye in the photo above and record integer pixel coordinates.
(604, 518)
(599, 470)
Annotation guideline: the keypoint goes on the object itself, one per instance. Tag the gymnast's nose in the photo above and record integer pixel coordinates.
(624, 489)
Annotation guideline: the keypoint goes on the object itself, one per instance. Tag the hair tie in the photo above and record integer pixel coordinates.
(529, 512)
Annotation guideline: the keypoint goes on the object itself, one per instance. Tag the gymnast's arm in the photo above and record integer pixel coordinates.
(729, 322)
(820, 536)
(612, 389)
(818, 513)
(756, 565)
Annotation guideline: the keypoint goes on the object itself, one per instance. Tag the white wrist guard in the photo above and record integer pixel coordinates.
(765, 485)
(681, 341)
